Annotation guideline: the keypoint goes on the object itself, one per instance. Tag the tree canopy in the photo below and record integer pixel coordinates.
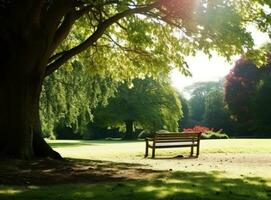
(199, 92)
(216, 115)
(247, 94)
(148, 103)
(69, 97)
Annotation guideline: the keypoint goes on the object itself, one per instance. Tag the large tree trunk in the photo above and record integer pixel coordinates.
(22, 62)
(129, 134)
(19, 120)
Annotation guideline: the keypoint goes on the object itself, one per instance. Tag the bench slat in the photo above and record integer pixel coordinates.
(178, 135)
(175, 138)
(174, 146)
(173, 141)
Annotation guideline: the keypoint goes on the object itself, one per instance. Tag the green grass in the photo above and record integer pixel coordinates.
(177, 185)
(237, 169)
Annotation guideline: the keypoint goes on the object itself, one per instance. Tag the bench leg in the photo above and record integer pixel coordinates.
(146, 151)
(192, 151)
(197, 150)
(153, 152)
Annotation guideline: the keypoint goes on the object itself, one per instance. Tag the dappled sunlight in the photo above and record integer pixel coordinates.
(4, 190)
(170, 185)
(149, 189)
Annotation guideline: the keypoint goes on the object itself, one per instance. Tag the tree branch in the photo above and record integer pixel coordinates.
(52, 18)
(123, 48)
(65, 27)
(94, 37)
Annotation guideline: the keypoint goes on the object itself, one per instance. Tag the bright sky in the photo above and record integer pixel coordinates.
(205, 69)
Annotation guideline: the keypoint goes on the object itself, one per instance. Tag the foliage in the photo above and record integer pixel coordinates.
(69, 97)
(197, 128)
(247, 94)
(183, 123)
(197, 108)
(148, 103)
(216, 114)
(260, 106)
(240, 87)
(207, 133)
(198, 92)
(203, 88)
(206, 105)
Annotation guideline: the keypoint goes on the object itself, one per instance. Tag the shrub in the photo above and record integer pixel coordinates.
(207, 133)
(197, 128)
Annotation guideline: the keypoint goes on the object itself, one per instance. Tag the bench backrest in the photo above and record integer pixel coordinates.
(176, 137)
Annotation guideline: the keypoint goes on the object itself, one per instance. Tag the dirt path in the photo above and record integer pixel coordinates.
(235, 164)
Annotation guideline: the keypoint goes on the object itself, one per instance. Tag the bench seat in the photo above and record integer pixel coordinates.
(173, 140)
(174, 144)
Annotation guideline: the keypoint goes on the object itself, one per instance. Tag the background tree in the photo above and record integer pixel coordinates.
(184, 121)
(261, 109)
(207, 107)
(216, 115)
(125, 38)
(246, 95)
(149, 103)
(198, 92)
(240, 87)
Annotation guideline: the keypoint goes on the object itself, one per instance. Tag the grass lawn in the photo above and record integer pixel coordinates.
(226, 169)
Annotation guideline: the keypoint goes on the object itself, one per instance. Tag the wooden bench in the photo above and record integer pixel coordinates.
(173, 140)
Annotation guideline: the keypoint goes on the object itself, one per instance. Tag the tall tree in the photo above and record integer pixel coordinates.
(131, 38)
(260, 106)
(199, 92)
(246, 95)
(216, 115)
(149, 103)
(240, 87)
(183, 123)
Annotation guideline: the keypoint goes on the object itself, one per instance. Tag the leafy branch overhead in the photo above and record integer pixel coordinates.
(133, 35)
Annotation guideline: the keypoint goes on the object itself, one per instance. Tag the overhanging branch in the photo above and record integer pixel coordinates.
(94, 37)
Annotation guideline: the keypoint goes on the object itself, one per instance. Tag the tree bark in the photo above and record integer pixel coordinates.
(129, 134)
(22, 62)
(19, 121)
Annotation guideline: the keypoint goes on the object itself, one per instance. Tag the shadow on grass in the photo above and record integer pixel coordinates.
(84, 179)
(52, 172)
(178, 185)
